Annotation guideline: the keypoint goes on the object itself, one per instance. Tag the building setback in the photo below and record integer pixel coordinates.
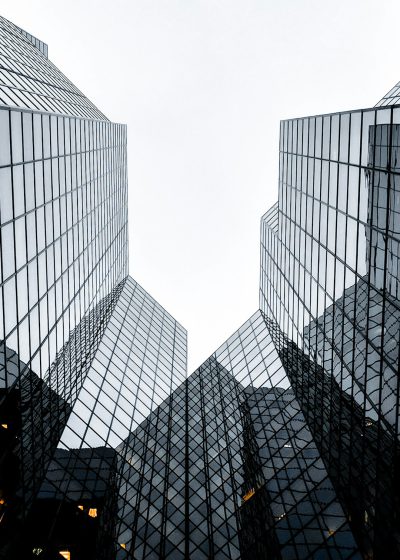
(284, 444)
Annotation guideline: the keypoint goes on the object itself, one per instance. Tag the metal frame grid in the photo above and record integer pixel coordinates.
(29, 79)
(392, 97)
(86, 354)
(330, 281)
(284, 443)
(227, 467)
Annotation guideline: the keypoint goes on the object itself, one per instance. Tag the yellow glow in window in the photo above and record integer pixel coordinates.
(65, 554)
(249, 495)
(92, 512)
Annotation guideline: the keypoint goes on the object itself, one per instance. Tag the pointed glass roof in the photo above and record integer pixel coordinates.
(392, 97)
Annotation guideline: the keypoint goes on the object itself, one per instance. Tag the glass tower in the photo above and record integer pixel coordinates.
(330, 285)
(227, 466)
(284, 443)
(85, 352)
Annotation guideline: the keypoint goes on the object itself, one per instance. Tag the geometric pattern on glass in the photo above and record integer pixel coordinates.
(284, 443)
(330, 283)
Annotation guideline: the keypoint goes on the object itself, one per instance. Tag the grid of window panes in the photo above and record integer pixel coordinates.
(306, 515)
(360, 457)
(67, 515)
(63, 227)
(34, 411)
(251, 356)
(29, 79)
(283, 439)
(140, 361)
(178, 493)
(330, 280)
(43, 47)
(85, 353)
(392, 97)
(63, 256)
(200, 472)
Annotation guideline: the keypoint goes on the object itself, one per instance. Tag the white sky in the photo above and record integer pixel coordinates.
(202, 86)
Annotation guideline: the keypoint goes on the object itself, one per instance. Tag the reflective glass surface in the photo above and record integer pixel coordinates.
(227, 468)
(330, 282)
(283, 444)
(29, 79)
(85, 352)
(392, 97)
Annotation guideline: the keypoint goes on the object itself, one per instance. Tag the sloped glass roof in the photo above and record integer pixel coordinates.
(392, 97)
(28, 79)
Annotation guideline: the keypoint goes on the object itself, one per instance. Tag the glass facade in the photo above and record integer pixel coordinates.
(28, 79)
(392, 97)
(330, 283)
(226, 467)
(284, 443)
(85, 352)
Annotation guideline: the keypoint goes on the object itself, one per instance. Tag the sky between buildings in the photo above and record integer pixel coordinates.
(202, 86)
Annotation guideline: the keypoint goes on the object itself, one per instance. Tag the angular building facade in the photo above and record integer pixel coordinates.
(85, 352)
(330, 279)
(227, 466)
(283, 444)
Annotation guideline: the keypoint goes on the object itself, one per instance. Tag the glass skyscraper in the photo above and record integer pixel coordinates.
(330, 283)
(85, 352)
(284, 443)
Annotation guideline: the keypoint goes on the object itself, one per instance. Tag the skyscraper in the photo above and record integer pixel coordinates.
(227, 466)
(283, 444)
(86, 353)
(329, 283)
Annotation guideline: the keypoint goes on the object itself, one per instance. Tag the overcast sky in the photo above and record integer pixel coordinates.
(202, 86)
